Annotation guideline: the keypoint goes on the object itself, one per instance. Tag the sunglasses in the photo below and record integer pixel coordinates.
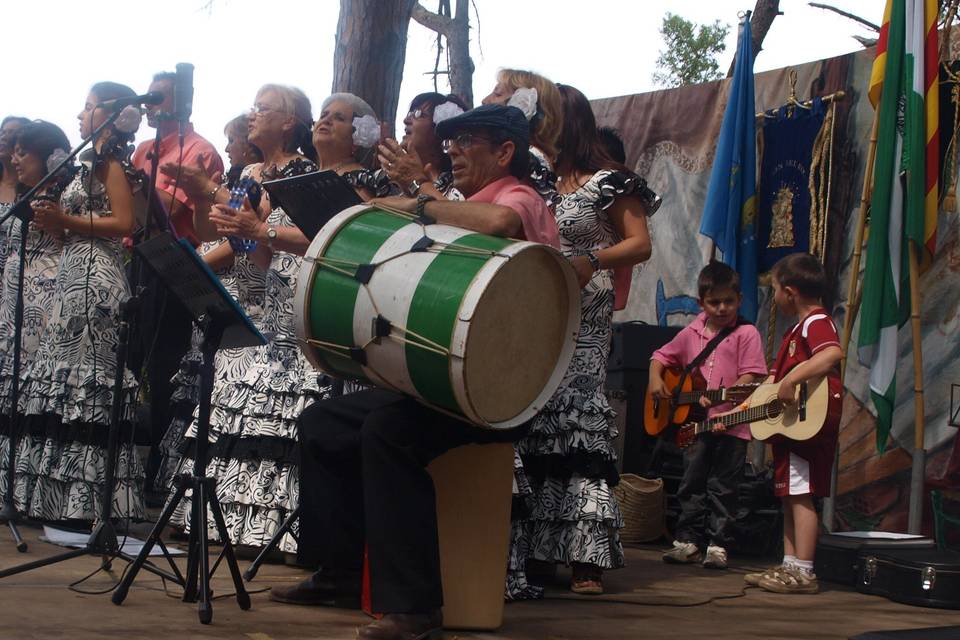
(420, 114)
(464, 141)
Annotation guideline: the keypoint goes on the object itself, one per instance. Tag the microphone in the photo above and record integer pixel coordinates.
(183, 93)
(154, 97)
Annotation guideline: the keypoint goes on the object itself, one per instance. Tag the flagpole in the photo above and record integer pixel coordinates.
(917, 472)
(853, 291)
(852, 307)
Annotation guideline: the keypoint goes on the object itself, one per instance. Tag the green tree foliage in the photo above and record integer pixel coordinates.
(691, 51)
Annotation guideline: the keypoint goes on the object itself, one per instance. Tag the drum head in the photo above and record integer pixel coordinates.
(519, 334)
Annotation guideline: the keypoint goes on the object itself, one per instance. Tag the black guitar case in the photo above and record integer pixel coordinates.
(839, 556)
(923, 577)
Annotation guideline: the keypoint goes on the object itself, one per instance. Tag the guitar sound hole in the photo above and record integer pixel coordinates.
(774, 409)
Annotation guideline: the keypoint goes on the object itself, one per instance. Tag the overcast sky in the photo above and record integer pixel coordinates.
(56, 49)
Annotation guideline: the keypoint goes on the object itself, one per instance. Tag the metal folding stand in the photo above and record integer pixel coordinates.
(8, 512)
(103, 538)
(223, 324)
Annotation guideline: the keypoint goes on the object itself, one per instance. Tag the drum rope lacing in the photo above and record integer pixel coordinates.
(343, 267)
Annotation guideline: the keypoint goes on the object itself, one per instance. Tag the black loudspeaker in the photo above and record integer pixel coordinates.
(632, 346)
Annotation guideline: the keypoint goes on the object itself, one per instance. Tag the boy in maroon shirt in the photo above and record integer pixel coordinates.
(802, 469)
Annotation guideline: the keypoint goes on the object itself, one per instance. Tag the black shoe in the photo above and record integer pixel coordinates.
(404, 626)
(322, 589)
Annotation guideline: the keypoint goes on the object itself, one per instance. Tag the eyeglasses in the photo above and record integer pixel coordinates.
(464, 141)
(259, 110)
(419, 114)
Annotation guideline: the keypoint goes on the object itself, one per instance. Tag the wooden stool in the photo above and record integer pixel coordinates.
(474, 487)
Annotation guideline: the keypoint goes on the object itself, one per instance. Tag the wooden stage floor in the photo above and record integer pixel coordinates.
(645, 600)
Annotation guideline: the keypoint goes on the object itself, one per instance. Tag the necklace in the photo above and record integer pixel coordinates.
(336, 166)
(712, 356)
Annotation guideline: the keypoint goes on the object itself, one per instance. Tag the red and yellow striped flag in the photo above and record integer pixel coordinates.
(923, 47)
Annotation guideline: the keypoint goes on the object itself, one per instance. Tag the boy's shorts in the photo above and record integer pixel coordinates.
(804, 467)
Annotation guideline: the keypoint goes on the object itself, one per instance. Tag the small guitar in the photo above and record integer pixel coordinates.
(658, 414)
(245, 187)
(768, 417)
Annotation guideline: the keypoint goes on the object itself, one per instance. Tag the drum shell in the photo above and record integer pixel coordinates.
(445, 296)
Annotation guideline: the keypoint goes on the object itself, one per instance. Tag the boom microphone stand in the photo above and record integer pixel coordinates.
(103, 538)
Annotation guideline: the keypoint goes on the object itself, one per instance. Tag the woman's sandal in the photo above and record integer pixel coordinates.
(587, 579)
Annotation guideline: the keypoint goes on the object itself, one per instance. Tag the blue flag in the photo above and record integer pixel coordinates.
(730, 213)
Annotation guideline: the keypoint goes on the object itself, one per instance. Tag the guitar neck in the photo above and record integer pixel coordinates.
(753, 414)
(693, 397)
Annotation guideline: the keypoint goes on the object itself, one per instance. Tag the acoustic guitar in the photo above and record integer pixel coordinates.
(658, 414)
(768, 417)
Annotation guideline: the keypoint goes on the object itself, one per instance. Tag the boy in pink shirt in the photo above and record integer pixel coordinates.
(713, 464)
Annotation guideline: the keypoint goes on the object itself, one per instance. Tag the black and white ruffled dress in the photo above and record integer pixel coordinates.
(256, 405)
(568, 456)
(68, 388)
(5, 235)
(41, 264)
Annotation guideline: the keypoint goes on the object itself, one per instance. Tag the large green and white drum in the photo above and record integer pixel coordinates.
(477, 326)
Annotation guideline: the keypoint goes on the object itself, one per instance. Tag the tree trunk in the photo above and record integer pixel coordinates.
(456, 31)
(763, 14)
(371, 46)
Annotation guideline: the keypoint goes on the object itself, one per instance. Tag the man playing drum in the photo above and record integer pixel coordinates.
(364, 455)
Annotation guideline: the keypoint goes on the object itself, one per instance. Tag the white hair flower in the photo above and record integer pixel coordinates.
(445, 111)
(129, 120)
(524, 99)
(55, 158)
(366, 131)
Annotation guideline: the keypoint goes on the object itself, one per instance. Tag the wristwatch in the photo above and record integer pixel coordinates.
(414, 187)
(594, 260)
(422, 201)
(271, 235)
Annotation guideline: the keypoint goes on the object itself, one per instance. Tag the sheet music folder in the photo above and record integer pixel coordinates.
(312, 199)
(198, 288)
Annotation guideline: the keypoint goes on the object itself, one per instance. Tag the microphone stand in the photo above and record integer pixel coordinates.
(103, 538)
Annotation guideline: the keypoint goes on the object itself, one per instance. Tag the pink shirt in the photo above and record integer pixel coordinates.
(539, 225)
(197, 151)
(740, 353)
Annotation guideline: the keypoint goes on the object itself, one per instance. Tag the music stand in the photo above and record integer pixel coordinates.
(223, 324)
(312, 199)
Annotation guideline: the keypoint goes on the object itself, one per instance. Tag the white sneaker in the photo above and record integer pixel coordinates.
(682, 553)
(716, 558)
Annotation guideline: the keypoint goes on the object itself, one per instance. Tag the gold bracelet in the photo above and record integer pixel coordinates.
(212, 196)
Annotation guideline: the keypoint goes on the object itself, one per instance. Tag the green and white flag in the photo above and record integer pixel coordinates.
(897, 210)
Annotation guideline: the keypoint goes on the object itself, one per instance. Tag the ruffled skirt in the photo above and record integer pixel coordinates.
(569, 461)
(253, 449)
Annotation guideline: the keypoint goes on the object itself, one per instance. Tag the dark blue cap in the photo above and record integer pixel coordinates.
(508, 120)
